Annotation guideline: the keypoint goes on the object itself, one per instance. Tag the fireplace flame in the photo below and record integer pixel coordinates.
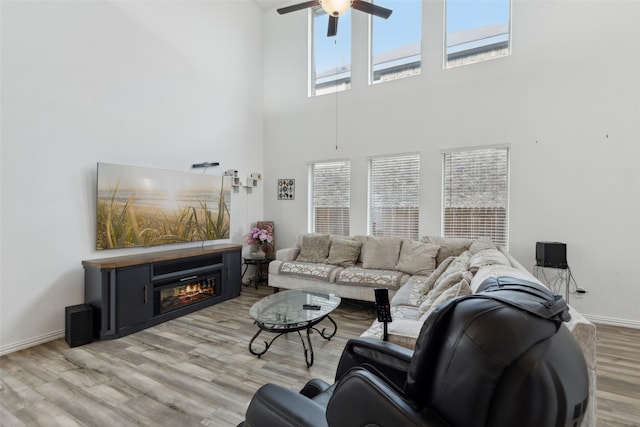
(186, 294)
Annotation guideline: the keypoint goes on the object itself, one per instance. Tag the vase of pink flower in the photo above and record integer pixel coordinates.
(260, 237)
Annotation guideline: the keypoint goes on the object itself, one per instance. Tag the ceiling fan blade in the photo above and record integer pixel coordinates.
(373, 9)
(332, 30)
(299, 6)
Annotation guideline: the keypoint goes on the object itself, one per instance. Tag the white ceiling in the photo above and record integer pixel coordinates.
(271, 4)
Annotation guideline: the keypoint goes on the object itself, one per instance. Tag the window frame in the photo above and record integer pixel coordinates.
(312, 88)
(411, 71)
(411, 227)
(482, 52)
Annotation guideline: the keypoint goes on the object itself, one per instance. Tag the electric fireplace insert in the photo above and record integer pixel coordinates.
(178, 284)
(190, 290)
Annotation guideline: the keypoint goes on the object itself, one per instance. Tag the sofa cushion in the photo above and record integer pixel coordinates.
(459, 289)
(417, 257)
(381, 253)
(372, 278)
(481, 244)
(402, 295)
(317, 271)
(422, 285)
(448, 246)
(315, 248)
(344, 252)
(362, 240)
(487, 257)
(499, 270)
(401, 331)
(445, 282)
(459, 263)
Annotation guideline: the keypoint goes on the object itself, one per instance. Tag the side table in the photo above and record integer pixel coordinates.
(258, 263)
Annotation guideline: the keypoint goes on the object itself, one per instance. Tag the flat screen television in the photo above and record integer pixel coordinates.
(139, 206)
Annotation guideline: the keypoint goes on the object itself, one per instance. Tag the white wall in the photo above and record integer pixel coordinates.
(160, 84)
(567, 101)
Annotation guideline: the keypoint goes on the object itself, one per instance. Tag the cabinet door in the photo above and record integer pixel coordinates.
(233, 279)
(134, 295)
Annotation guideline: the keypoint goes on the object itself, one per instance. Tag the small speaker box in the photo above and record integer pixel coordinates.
(551, 254)
(78, 324)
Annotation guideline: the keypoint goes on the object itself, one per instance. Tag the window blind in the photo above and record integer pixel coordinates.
(329, 197)
(394, 196)
(476, 194)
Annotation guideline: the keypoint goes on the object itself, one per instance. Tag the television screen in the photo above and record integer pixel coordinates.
(147, 207)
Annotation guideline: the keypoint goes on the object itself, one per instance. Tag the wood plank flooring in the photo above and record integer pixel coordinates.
(618, 383)
(197, 371)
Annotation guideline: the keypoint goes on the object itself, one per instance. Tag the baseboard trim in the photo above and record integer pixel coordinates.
(41, 339)
(626, 323)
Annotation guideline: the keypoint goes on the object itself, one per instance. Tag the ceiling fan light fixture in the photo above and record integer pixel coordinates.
(335, 7)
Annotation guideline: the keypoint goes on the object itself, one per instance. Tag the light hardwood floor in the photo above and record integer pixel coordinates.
(197, 370)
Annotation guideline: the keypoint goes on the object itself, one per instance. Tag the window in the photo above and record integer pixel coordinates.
(396, 41)
(394, 196)
(330, 67)
(329, 197)
(476, 194)
(476, 30)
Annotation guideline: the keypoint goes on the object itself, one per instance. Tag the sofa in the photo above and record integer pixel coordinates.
(420, 276)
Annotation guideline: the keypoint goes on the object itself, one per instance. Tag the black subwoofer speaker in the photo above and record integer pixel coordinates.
(551, 254)
(78, 324)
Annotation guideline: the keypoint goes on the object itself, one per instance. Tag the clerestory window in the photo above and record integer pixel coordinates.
(330, 57)
(476, 30)
(396, 42)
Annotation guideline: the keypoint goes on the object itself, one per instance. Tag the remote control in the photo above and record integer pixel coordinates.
(382, 305)
(311, 307)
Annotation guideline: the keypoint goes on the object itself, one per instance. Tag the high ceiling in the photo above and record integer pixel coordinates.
(271, 4)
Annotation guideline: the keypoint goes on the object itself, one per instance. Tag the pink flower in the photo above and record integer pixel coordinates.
(260, 235)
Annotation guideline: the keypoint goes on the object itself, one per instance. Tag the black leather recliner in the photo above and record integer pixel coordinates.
(498, 358)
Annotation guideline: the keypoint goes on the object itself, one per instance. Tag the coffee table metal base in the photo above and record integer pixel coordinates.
(282, 330)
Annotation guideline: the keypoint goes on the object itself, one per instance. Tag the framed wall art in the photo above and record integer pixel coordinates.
(286, 189)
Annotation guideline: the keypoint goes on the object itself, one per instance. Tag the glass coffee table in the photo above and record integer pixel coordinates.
(293, 311)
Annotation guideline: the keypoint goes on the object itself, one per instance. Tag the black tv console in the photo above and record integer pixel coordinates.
(131, 293)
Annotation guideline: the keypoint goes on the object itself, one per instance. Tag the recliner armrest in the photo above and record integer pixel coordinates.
(390, 359)
(384, 405)
(273, 405)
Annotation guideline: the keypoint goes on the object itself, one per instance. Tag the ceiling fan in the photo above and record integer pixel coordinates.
(335, 8)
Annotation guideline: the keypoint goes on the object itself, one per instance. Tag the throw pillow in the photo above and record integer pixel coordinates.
(381, 253)
(459, 263)
(315, 248)
(445, 282)
(459, 289)
(344, 252)
(487, 257)
(481, 244)
(417, 258)
(448, 246)
(362, 240)
(421, 288)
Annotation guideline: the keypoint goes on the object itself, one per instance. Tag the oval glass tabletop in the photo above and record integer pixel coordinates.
(293, 307)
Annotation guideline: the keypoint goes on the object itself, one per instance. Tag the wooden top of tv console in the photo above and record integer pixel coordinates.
(145, 258)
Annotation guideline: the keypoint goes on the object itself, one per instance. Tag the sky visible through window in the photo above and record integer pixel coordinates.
(467, 14)
(332, 52)
(400, 29)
